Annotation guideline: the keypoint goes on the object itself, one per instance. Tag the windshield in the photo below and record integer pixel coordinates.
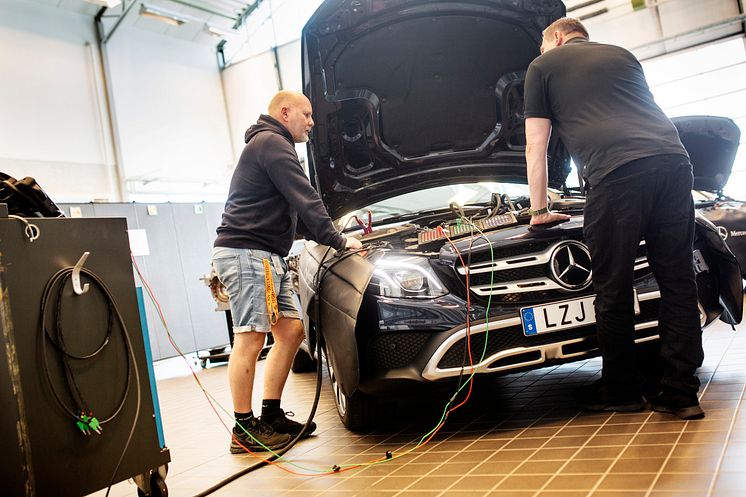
(433, 198)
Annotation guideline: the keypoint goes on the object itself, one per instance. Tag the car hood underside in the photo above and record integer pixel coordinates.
(412, 94)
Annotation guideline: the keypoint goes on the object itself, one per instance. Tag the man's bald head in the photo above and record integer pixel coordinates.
(285, 99)
(293, 110)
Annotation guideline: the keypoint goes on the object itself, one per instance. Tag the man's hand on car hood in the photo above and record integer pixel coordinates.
(549, 217)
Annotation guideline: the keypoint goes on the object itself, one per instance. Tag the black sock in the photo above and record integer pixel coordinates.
(243, 419)
(271, 409)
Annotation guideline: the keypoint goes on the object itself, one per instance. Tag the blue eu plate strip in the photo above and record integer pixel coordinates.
(529, 323)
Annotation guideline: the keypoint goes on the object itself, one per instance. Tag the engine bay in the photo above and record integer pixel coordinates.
(428, 230)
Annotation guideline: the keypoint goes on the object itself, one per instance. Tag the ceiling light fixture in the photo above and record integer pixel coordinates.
(220, 33)
(162, 15)
(105, 3)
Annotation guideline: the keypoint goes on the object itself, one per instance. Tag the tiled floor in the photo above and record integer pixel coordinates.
(518, 436)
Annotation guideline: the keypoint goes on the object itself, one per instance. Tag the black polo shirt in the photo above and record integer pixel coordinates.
(600, 105)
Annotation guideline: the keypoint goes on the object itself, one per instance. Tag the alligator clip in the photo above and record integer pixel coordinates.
(367, 228)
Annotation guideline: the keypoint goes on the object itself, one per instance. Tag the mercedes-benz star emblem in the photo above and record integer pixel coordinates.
(571, 265)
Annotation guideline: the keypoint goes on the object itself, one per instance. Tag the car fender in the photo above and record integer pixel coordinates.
(344, 280)
(728, 271)
(729, 218)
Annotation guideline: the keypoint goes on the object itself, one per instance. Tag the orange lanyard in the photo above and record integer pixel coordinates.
(269, 285)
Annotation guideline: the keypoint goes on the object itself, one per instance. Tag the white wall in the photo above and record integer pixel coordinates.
(169, 110)
(170, 114)
(51, 123)
(250, 84)
(290, 68)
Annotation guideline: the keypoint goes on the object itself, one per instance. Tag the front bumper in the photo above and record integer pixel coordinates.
(497, 347)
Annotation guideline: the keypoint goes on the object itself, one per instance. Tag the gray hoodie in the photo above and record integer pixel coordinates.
(268, 191)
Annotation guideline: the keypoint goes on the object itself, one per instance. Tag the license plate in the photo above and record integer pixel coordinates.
(561, 315)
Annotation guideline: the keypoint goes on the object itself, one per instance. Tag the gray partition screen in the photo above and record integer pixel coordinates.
(172, 244)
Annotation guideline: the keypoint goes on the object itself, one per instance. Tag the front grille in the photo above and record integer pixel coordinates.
(541, 297)
(395, 350)
(514, 274)
(513, 337)
(522, 274)
(478, 257)
(642, 268)
(648, 310)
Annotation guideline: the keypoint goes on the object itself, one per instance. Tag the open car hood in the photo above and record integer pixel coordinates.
(712, 143)
(412, 94)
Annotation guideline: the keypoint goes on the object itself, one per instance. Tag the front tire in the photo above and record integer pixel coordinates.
(358, 411)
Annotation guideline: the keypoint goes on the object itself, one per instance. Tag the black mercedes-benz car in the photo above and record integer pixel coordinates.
(419, 149)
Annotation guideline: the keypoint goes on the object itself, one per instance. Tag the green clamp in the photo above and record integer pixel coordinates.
(87, 423)
(83, 427)
(95, 425)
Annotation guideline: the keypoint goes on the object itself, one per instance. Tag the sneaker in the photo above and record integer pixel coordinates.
(282, 424)
(597, 397)
(261, 432)
(682, 405)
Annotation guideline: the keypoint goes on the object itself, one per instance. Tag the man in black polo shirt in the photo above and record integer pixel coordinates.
(638, 182)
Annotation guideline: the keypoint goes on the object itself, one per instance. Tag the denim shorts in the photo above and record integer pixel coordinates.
(242, 273)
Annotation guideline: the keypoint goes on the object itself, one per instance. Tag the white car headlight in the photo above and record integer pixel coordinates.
(406, 276)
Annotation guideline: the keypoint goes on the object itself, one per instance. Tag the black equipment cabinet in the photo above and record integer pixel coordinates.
(43, 451)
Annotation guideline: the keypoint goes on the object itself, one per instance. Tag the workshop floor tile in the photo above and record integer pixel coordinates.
(519, 435)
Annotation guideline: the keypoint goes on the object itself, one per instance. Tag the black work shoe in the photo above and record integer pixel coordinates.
(597, 397)
(264, 438)
(282, 424)
(683, 406)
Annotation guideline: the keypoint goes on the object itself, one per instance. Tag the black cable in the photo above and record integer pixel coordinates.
(72, 385)
(319, 376)
(138, 403)
(61, 278)
(318, 278)
(280, 452)
(109, 323)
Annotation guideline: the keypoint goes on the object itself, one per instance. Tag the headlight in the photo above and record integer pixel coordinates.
(406, 276)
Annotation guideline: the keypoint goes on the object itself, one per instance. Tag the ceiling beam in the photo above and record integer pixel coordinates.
(246, 13)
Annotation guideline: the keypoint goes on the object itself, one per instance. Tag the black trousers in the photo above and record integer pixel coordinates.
(646, 199)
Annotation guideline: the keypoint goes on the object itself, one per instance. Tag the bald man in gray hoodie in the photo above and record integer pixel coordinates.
(268, 192)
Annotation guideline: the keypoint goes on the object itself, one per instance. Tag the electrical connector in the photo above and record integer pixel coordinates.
(95, 425)
(87, 423)
(83, 427)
